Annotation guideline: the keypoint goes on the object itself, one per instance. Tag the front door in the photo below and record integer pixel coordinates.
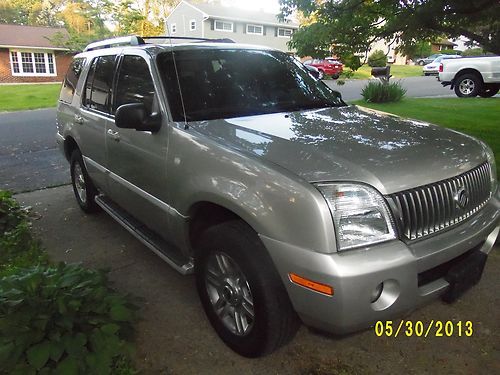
(137, 159)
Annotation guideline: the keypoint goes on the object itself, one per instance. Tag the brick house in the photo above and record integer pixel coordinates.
(28, 56)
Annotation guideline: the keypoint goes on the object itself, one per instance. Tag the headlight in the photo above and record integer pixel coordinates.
(360, 214)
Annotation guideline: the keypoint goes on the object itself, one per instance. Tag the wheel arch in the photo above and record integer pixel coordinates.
(466, 71)
(70, 145)
(205, 214)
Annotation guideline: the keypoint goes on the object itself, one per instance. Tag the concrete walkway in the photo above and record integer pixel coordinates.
(174, 336)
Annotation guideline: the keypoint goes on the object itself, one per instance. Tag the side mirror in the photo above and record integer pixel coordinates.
(134, 116)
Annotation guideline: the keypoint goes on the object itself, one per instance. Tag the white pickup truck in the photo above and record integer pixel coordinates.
(471, 76)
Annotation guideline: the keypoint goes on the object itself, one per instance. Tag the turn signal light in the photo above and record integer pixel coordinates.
(309, 284)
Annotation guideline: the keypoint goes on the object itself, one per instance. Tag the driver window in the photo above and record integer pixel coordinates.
(135, 84)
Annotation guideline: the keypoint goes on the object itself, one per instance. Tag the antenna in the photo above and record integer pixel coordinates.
(186, 126)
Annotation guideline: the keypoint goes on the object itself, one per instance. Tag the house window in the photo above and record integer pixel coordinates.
(15, 62)
(255, 29)
(192, 25)
(224, 26)
(25, 63)
(284, 33)
(173, 28)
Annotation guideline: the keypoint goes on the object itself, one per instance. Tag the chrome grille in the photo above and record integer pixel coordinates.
(431, 208)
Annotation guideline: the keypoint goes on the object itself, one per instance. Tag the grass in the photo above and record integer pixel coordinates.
(474, 116)
(397, 71)
(22, 97)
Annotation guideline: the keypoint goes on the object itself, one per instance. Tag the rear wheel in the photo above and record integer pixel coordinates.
(489, 91)
(83, 187)
(468, 86)
(241, 292)
(421, 63)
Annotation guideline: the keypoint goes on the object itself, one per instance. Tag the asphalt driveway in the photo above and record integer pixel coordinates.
(174, 336)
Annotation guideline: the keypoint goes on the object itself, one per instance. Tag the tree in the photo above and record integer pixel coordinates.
(352, 25)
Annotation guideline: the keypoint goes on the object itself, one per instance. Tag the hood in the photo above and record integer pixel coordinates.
(351, 144)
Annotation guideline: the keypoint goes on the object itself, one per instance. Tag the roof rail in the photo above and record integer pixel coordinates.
(131, 40)
(186, 38)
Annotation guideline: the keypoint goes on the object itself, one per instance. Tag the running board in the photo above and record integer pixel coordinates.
(154, 242)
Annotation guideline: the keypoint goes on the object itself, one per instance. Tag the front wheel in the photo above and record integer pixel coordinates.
(241, 292)
(83, 187)
(421, 63)
(468, 86)
(489, 91)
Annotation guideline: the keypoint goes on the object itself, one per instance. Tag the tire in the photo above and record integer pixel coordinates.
(421, 63)
(468, 86)
(235, 274)
(84, 189)
(336, 76)
(426, 74)
(321, 74)
(489, 91)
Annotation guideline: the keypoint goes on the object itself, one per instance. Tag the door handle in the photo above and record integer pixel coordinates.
(114, 135)
(78, 119)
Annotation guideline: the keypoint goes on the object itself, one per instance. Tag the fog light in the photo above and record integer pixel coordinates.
(377, 292)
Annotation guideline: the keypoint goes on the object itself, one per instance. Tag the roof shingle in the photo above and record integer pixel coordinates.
(29, 36)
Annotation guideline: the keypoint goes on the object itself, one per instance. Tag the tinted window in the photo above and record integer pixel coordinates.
(71, 80)
(135, 84)
(88, 85)
(232, 83)
(98, 88)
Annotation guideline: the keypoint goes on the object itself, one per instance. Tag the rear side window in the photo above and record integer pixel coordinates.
(71, 80)
(134, 84)
(99, 81)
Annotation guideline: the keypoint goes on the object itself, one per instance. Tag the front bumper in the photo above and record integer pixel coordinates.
(355, 274)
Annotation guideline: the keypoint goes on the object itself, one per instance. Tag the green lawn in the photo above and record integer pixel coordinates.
(21, 97)
(478, 117)
(397, 71)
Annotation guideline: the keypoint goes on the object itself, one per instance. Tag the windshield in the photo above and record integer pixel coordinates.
(227, 83)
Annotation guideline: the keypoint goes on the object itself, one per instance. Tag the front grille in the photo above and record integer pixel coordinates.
(431, 208)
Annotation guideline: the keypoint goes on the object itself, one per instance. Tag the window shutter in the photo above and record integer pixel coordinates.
(275, 31)
(245, 28)
(212, 24)
(263, 30)
(234, 27)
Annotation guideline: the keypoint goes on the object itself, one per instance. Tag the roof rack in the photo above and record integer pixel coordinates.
(131, 40)
(167, 39)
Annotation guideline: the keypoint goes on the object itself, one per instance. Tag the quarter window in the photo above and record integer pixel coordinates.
(135, 84)
(71, 80)
(255, 29)
(26, 63)
(223, 26)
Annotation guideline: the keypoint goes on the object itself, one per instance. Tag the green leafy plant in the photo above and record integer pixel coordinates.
(378, 92)
(63, 319)
(18, 248)
(377, 59)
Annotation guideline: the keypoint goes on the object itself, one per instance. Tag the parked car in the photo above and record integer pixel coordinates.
(433, 67)
(329, 66)
(427, 60)
(233, 163)
(472, 76)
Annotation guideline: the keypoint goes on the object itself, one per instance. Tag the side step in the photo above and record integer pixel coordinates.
(154, 242)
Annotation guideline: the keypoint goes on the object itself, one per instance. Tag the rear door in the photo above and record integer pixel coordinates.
(92, 119)
(137, 159)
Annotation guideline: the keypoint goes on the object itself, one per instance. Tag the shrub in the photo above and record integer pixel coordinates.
(450, 52)
(378, 92)
(18, 248)
(377, 58)
(473, 52)
(62, 319)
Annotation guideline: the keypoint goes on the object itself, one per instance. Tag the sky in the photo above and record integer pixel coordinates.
(271, 6)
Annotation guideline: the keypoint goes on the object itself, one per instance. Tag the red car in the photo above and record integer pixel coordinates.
(329, 66)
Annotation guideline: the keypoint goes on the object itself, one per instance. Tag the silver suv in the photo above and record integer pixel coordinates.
(233, 163)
